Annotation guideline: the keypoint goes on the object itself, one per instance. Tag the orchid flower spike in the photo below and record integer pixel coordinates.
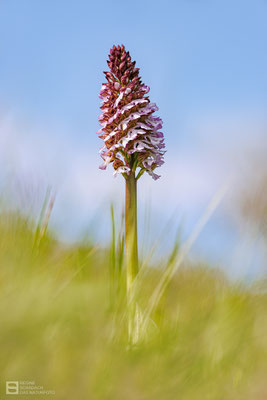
(133, 142)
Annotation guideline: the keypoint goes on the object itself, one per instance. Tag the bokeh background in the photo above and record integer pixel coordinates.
(63, 303)
(205, 62)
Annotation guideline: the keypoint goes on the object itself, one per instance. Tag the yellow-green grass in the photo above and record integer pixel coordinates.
(64, 325)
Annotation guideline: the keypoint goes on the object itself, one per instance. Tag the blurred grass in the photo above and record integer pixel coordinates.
(62, 313)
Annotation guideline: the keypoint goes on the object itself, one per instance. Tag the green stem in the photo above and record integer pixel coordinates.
(131, 228)
(131, 252)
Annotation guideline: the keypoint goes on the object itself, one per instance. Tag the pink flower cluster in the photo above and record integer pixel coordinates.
(131, 134)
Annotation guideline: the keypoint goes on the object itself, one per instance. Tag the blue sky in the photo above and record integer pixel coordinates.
(205, 62)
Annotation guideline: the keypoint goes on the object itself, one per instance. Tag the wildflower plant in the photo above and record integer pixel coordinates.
(133, 142)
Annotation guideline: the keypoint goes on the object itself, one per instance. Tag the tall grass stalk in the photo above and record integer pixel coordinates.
(177, 259)
(116, 260)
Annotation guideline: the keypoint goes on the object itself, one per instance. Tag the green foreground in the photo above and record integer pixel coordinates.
(64, 325)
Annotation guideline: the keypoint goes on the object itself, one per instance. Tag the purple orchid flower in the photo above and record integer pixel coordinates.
(129, 129)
